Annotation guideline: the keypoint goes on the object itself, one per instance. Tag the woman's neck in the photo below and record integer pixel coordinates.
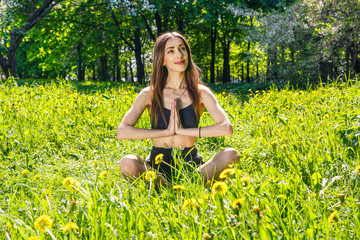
(175, 80)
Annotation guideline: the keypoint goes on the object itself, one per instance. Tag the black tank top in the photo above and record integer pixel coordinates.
(187, 117)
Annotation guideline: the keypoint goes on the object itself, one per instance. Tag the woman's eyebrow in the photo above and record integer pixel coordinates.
(174, 47)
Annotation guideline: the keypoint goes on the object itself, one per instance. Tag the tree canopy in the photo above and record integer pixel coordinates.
(242, 40)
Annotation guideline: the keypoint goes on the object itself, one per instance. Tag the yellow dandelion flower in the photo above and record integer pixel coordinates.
(190, 203)
(238, 203)
(150, 176)
(25, 172)
(256, 209)
(159, 158)
(207, 236)
(263, 119)
(70, 227)
(206, 196)
(71, 184)
(104, 174)
(332, 217)
(178, 187)
(46, 193)
(8, 225)
(95, 163)
(43, 223)
(37, 176)
(34, 238)
(219, 187)
(245, 179)
(357, 169)
(226, 173)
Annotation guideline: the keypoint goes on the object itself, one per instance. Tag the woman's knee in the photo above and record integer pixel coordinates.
(130, 165)
(232, 154)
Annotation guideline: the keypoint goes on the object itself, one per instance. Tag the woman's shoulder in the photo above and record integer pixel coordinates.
(145, 95)
(204, 90)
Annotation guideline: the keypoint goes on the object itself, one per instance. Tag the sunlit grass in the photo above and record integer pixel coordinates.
(298, 176)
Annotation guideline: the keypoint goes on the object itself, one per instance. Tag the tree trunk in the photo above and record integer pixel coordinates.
(117, 65)
(81, 70)
(226, 63)
(4, 66)
(126, 71)
(213, 31)
(103, 72)
(131, 72)
(94, 72)
(138, 58)
(242, 72)
(248, 64)
(158, 23)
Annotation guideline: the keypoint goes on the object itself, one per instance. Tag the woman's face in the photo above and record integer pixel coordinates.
(176, 56)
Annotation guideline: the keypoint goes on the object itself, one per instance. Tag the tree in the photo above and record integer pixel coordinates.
(20, 17)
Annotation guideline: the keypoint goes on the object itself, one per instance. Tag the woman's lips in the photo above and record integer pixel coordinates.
(180, 62)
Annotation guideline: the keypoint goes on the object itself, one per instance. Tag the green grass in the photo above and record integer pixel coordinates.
(299, 150)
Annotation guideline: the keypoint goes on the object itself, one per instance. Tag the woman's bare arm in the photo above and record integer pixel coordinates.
(127, 130)
(222, 126)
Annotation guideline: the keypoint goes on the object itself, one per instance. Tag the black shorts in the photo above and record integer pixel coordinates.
(189, 157)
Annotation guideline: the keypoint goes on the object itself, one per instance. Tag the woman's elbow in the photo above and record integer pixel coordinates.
(120, 134)
(228, 129)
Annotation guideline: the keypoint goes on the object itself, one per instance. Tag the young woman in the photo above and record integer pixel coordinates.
(175, 100)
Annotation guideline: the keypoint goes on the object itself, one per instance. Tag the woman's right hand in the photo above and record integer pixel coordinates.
(172, 123)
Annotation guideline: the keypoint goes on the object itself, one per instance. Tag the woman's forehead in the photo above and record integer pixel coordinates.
(174, 42)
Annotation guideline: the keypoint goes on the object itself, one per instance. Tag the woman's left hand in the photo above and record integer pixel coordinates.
(178, 126)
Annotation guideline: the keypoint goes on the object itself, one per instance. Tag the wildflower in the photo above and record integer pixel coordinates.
(178, 188)
(245, 179)
(25, 172)
(34, 238)
(256, 209)
(227, 172)
(95, 163)
(301, 119)
(70, 226)
(71, 184)
(190, 203)
(207, 236)
(342, 197)
(43, 223)
(73, 203)
(104, 174)
(150, 176)
(357, 169)
(8, 225)
(263, 119)
(206, 196)
(274, 143)
(219, 187)
(159, 158)
(238, 203)
(46, 193)
(37, 176)
(333, 216)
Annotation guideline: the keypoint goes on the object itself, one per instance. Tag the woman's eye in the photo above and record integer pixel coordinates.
(170, 51)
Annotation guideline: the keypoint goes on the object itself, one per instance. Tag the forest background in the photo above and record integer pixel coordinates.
(232, 40)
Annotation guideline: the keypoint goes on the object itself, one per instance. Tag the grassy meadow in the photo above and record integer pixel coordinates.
(298, 176)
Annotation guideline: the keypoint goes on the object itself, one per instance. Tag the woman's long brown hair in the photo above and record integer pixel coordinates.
(160, 74)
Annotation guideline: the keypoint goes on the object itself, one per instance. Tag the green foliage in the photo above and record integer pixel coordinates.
(299, 151)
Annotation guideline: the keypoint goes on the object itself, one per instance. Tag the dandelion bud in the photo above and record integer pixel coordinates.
(73, 203)
(257, 210)
(342, 197)
(207, 236)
